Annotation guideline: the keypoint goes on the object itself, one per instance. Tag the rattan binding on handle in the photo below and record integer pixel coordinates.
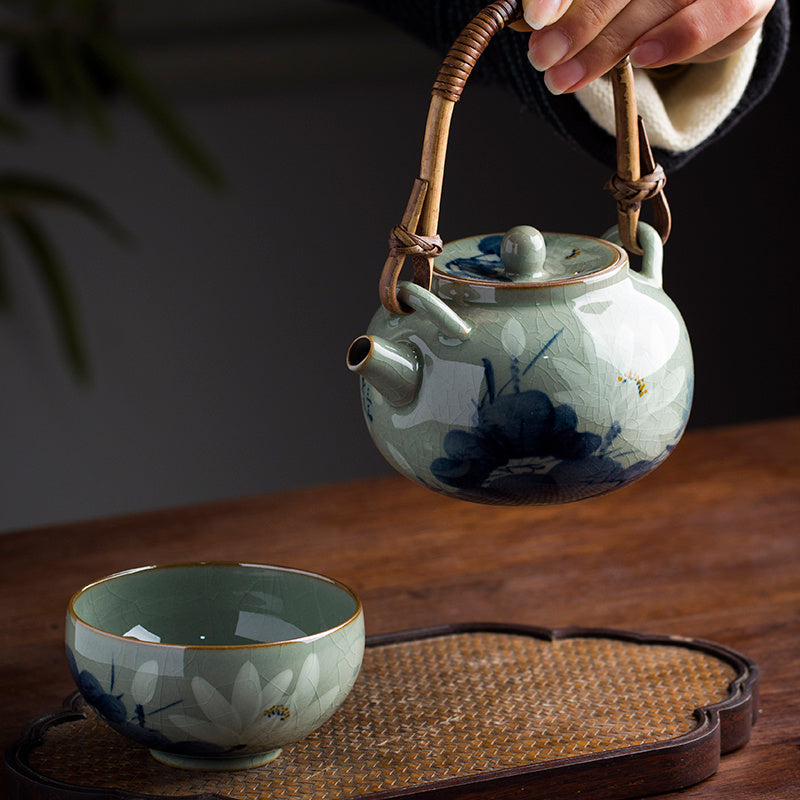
(418, 229)
(468, 48)
(638, 177)
(417, 235)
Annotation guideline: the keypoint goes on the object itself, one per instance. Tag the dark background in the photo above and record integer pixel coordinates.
(217, 341)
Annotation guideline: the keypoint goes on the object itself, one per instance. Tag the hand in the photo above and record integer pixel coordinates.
(575, 41)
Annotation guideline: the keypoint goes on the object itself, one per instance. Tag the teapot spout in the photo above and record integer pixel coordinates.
(393, 368)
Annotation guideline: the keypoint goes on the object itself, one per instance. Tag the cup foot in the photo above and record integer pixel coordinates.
(218, 763)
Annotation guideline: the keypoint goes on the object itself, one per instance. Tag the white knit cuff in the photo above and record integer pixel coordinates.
(682, 111)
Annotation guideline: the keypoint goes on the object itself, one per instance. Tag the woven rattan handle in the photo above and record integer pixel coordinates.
(417, 236)
(638, 177)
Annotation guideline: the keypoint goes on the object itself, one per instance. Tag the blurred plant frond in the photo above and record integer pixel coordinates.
(65, 55)
(19, 190)
(153, 107)
(45, 260)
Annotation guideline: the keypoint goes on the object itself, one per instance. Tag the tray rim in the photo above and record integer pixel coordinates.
(721, 728)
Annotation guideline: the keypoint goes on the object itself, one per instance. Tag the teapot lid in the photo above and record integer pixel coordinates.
(524, 255)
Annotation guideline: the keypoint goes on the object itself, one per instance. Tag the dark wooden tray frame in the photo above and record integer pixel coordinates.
(621, 774)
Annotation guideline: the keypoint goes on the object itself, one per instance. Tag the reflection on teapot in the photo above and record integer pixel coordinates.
(526, 367)
(539, 368)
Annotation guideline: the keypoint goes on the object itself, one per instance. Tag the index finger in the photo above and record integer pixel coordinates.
(537, 14)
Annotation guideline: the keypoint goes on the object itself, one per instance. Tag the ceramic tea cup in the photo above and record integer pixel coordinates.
(215, 665)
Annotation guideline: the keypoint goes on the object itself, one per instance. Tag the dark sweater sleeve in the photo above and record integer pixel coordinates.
(438, 23)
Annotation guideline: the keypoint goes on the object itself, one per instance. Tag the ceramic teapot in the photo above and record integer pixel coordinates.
(523, 367)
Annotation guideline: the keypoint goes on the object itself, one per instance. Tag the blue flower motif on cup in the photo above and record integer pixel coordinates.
(112, 708)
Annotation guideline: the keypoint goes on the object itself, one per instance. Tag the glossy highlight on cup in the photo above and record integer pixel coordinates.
(215, 665)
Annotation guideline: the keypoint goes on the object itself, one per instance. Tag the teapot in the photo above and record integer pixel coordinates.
(524, 367)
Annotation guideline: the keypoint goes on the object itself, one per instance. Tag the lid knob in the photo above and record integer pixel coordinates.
(523, 253)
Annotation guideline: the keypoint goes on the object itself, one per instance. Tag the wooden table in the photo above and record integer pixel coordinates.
(706, 547)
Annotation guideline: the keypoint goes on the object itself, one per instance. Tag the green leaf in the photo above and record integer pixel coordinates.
(44, 7)
(11, 127)
(18, 189)
(155, 109)
(48, 265)
(5, 289)
(80, 84)
(40, 52)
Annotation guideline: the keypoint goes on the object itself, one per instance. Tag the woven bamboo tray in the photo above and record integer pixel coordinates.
(455, 712)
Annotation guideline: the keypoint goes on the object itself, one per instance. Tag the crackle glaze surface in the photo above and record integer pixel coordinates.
(215, 664)
(562, 391)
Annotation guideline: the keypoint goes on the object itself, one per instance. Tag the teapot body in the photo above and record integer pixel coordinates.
(560, 392)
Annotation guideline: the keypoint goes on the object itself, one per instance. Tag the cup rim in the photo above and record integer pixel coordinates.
(208, 647)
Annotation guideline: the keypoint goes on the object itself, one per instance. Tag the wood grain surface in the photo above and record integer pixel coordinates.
(708, 547)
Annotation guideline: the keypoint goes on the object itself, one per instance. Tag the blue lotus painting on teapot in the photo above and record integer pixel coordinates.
(521, 442)
(518, 383)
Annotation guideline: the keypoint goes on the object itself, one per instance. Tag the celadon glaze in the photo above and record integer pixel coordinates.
(559, 379)
(215, 665)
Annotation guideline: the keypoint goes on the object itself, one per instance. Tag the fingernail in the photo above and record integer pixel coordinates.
(539, 14)
(647, 53)
(548, 49)
(563, 77)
